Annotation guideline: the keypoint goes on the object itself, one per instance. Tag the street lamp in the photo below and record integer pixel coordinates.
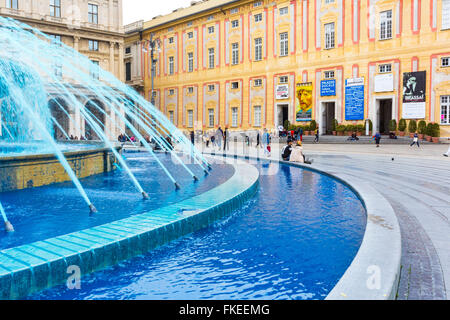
(152, 45)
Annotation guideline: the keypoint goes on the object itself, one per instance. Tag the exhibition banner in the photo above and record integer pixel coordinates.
(354, 99)
(304, 101)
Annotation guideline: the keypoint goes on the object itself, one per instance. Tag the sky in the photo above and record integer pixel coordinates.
(134, 10)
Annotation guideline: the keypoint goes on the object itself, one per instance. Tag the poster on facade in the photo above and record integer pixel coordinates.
(282, 92)
(354, 99)
(327, 88)
(414, 95)
(384, 83)
(304, 101)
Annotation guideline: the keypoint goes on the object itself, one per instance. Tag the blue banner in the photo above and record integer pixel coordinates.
(327, 88)
(354, 99)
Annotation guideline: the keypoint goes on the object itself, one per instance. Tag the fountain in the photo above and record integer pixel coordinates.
(49, 92)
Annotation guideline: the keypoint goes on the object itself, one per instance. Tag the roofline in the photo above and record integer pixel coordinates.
(190, 15)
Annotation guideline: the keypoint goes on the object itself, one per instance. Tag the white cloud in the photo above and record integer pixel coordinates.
(134, 10)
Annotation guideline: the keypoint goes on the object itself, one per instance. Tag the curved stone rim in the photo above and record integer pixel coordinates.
(375, 270)
(43, 264)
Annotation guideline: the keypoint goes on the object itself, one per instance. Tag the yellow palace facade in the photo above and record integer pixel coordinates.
(248, 65)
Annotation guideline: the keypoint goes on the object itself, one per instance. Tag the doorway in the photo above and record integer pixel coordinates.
(329, 113)
(283, 114)
(385, 115)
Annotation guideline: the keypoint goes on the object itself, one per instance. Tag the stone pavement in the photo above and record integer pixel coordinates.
(416, 182)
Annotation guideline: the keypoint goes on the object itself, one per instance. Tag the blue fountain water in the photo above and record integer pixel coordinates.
(294, 240)
(46, 212)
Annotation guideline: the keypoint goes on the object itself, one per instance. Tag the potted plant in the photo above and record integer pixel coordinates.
(334, 125)
(422, 129)
(350, 129)
(312, 127)
(402, 127)
(359, 129)
(393, 126)
(436, 133)
(340, 129)
(412, 128)
(429, 132)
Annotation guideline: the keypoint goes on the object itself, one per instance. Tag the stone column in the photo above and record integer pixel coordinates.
(121, 75)
(112, 57)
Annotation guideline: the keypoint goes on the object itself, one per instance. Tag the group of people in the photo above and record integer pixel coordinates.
(123, 138)
(215, 139)
(293, 152)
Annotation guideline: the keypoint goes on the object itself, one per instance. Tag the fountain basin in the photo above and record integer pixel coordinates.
(35, 170)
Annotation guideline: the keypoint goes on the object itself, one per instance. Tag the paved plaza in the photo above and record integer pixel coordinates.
(416, 182)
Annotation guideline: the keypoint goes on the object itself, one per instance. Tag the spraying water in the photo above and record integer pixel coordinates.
(38, 74)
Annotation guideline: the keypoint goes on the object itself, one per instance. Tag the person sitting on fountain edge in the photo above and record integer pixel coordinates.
(287, 150)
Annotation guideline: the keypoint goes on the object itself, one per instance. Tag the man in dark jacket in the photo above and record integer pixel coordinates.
(287, 150)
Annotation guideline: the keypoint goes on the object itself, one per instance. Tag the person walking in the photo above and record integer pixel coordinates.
(258, 139)
(301, 134)
(448, 151)
(219, 137)
(415, 140)
(192, 137)
(316, 140)
(225, 140)
(377, 138)
(266, 143)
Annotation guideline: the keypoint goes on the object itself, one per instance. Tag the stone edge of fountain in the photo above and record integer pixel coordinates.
(33, 267)
(380, 252)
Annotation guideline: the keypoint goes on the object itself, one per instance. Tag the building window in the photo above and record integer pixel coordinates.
(445, 109)
(93, 45)
(329, 1)
(58, 69)
(384, 68)
(235, 23)
(55, 8)
(329, 74)
(235, 85)
(258, 82)
(234, 10)
(171, 40)
(171, 116)
(257, 116)
(211, 58)
(284, 79)
(127, 50)
(258, 17)
(12, 4)
(258, 49)
(386, 25)
(210, 30)
(445, 14)
(329, 35)
(210, 118)
(93, 13)
(284, 44)
(210, 18)
(95, 71)
(171, 92)
(189, 24)
(190, 118)
(257, 4)
(190, 35)
(190, 90)
(128, 71)
(234, 117)
(190, 62)
(56, 39)
(235, 53)
(171, 65)
(211, 87)
(284, 11)
(445, 62)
